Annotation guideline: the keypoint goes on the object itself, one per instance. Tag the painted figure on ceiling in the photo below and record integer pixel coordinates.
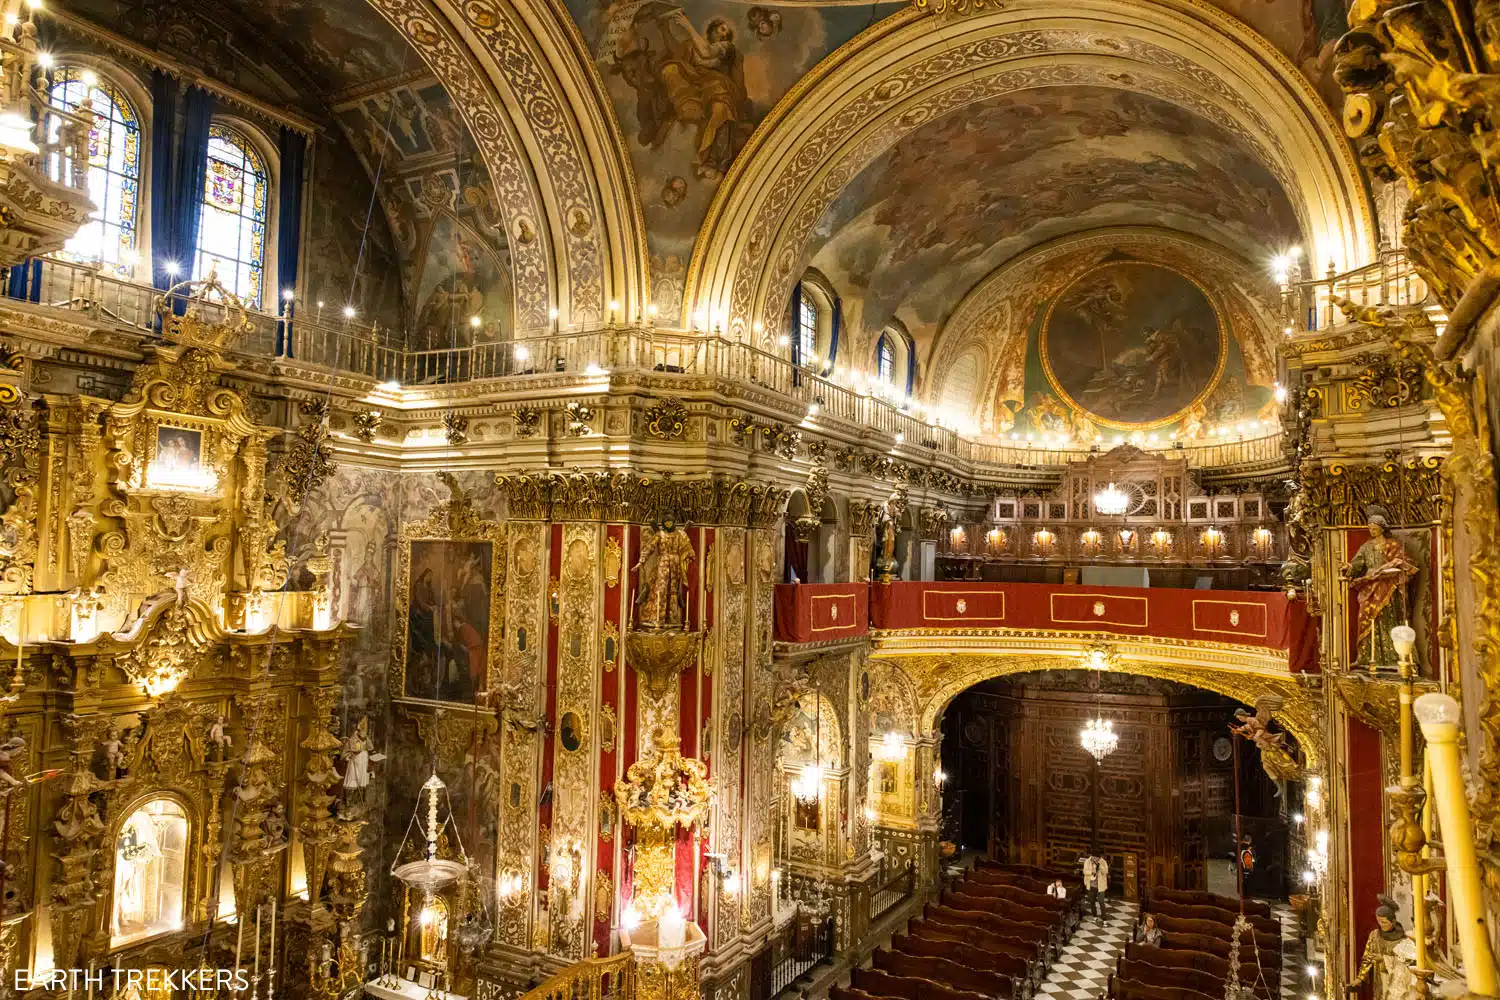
(682, 77)
(1378, 576)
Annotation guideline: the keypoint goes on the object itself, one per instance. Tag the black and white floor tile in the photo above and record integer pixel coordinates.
(1083, 969)
(1293, 957)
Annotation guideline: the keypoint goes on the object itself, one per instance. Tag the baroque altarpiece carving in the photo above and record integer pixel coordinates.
(169, 733)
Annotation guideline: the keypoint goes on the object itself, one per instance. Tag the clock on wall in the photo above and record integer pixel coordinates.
(1222, 749)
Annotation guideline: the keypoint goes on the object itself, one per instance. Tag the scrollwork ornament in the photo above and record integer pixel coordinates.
(1386, 383)
(667, 420)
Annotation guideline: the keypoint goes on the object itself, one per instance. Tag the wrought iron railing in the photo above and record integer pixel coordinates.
(798, 946)
(892, 890)
(611, 978)
(349, 346)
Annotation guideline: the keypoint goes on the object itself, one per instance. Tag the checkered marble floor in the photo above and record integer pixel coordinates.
(1293, 955)
(1083, 969)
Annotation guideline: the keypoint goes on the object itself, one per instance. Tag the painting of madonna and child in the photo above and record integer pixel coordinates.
(448, 620)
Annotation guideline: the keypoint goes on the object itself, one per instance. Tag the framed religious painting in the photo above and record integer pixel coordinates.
(450, 576)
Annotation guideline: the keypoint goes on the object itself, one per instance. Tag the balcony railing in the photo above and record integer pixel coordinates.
(355, 348)
(1391, 282)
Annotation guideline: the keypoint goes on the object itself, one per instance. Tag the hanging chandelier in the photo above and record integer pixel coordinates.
(1111, 501)
(1099, 738)
(808, 785)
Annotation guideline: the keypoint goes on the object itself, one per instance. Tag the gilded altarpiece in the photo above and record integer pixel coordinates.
(159, 663)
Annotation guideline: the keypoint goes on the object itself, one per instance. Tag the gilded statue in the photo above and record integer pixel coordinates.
(885, 538)
(661, 596)
(1387, 955)
(1378, 576)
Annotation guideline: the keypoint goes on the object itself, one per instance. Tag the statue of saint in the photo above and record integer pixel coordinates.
(1378, 577)
(884, 553)
(661, 594)
(357, 757)
(1386, 957)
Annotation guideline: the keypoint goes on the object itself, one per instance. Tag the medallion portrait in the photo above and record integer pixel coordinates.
(1132, 343)
(448, 619)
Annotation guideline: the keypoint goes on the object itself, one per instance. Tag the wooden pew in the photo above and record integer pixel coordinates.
(949, 973)
(1020, 913)
(1267, 932)
(1127, 989)
(1070, 908)
(1142, 971)
(1016, 970)
(1211, 965)
(1198, 897)
(1039, 938)
(846, 993)
(1008, 954)
(997, 876)
(1213, 944)
(883, 984)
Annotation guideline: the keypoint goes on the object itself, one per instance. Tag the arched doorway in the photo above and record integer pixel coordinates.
(1174, 804)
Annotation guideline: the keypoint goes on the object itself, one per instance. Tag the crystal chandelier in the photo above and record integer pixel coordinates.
(808, 785)
(1111, 501)
(1099, 738)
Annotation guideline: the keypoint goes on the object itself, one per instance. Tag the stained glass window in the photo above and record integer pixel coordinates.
(114, 168)
(232, 228)
(807, 328)
(885, 359)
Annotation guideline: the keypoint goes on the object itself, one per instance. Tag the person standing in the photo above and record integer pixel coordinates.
(1096, 881)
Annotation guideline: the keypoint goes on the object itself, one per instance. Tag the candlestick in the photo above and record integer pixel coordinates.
(255, 977)
(239, 944)
(271, 963)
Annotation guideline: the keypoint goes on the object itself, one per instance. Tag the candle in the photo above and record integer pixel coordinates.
(257, 945)
(271, 964)
(239, 942)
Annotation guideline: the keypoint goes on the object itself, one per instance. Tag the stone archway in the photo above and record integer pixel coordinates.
(542, 123)
(939, 677)
(914, 67)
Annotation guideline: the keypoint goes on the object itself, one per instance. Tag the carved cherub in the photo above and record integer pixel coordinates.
(10, 750)
(113, 746)
(274, 825)
(218, 738)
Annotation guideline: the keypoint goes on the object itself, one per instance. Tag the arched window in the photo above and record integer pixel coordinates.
(885, 360)
(807, 327)
(232, 228)
(114, 168)
(150, 863)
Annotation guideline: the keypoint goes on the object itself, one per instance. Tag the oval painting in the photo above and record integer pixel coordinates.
(1132, 343)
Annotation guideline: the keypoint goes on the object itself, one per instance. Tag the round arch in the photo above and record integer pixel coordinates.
(916, 66)
(539, 116)
(995, 314)
(939, 678)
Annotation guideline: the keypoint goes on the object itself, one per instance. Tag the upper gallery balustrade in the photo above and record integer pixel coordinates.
(328, 340)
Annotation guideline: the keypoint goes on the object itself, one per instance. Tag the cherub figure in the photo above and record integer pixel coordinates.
(10, 751)
(218, 738)
(1255, 727)
(274, 825)
(113, 746)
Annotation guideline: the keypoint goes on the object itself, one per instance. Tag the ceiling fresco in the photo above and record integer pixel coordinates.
(689, 84)
(437, 195)
(1132, 343)
(923, 223)
(1305, 31)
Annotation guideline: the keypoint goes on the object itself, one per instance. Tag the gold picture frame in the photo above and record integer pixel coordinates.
(449, 606)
